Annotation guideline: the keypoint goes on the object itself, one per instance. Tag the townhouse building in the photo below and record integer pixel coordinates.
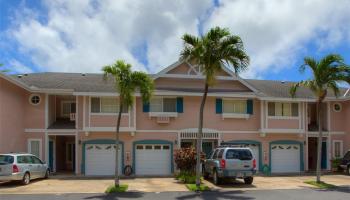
(69, 119)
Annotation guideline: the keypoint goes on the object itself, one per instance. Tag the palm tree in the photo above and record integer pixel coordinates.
(210, 52)
(3, 70)
(327, 73)
(126, 83)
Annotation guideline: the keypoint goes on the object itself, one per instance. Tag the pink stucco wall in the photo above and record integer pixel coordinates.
(283, 123)
(34, 115)
(108, 120)
(12, 106)
(189, 119)
(338, 119)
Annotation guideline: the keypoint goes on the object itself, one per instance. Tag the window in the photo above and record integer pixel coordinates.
(166, 147)
(337, 148)
(337, 107)
(106, 105)
(34, 99)
(240, 154)
(34, 147)
(67, 108)
(36, 160)
(5, 159)
(163, 105)
(234, 106)
(283, 109)
(23, 159)
(221, 152)
(215, 155)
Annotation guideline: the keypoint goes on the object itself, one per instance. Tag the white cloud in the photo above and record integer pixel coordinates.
(85, 35)
(16, 66)
(275, 31)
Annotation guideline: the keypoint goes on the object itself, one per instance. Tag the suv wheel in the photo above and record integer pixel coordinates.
(26, 179)
(248, 180)
(216, 178)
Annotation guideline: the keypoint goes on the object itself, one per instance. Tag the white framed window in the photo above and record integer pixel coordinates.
(35, 147)
(163, 104)
(234, 106)
(67, 107)
(34, 99)
(283, 109)
(337, 148)
(105, 105)
(337, 107)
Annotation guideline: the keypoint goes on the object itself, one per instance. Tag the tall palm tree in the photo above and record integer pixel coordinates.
(326, 74)
(126, 83)
(211, 51)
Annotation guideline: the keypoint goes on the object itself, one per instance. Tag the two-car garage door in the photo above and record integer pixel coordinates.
(285, 158)
(152, 159)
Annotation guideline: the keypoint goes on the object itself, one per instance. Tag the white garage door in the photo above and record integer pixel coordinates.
(255, 149)
(152, 159)
(285, 158)
(100, 159)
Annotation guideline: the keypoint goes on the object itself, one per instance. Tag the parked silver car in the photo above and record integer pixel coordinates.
(230, 162)
(22, 167)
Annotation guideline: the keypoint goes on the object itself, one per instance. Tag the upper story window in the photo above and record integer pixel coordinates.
(163, 104)
(34, 99)
(234, 106)
(282, 109)
(106, 105)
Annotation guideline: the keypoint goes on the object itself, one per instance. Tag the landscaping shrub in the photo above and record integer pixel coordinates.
(185, 159)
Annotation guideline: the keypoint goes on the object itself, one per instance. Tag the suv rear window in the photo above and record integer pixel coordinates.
(6, 159)
(241, 154)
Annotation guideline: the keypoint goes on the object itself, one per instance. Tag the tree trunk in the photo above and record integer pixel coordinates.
(116, 179)
(319, 143)
(199, 137)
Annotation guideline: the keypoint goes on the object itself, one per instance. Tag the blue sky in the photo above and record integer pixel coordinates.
(82, 36)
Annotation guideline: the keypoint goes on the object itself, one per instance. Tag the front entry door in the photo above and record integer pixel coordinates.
(207, 147)
(51, 155)
(324, 155)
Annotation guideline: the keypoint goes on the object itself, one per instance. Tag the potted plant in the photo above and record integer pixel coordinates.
(335, 164)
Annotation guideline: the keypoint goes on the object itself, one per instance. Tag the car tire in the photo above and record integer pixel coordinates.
(216, 178)
(248, 180)
(26, 179)
(348, 171)
(47, 174)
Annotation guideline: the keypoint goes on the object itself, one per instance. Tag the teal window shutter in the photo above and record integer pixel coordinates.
(218, 105)
(145, 107)
(250, 106)
(179, 105)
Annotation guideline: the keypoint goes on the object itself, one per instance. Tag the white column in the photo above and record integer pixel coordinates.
(76, 151)
(46, 147)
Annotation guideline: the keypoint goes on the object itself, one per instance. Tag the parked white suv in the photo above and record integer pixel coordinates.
(230, 162)
(22, 167)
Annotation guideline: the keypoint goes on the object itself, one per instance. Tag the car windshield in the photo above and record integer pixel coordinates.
(6, 159)
(241, 154)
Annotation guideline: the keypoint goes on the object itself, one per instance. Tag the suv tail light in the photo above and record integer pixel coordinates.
(222, 163)
(254, 164)
(15, 169)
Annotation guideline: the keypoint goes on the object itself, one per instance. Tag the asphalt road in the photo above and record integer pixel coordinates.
(312, 194)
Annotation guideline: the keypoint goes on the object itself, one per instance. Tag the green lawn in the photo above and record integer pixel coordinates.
(321, 185)
(193, 187)
(113, 189)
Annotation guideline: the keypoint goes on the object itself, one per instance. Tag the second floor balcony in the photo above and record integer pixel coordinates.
(62, 112)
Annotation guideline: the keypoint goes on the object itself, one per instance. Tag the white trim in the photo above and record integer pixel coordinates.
(108, 129)
(109, 114)
(282, 130)
(157, 131)
(46, 110)
(84, 107)
(61, 134)
(266, 114)
(341, 148)
(163, 114)
(283, 117)
(29, 140)
(306, 150)
(134, 111)
(76, 112)
(199, 76)
(262, 114)
(235, 115)
(278, 99)
(46, 148)
(33, 130)
(33, 95)
(76, 152)
(89, 114)
(328, 116)
(300, 115)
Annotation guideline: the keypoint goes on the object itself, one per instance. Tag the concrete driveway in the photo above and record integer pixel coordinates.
(90, 185)
(281, 182)
(57, 185)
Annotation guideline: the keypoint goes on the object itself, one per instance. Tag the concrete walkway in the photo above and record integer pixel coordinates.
(94, 185)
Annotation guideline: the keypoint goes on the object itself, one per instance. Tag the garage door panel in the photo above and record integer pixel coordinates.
(285, 158)
(152, 160)
(100, 159)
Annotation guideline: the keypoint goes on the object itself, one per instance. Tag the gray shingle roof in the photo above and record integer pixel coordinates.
(95, 83)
